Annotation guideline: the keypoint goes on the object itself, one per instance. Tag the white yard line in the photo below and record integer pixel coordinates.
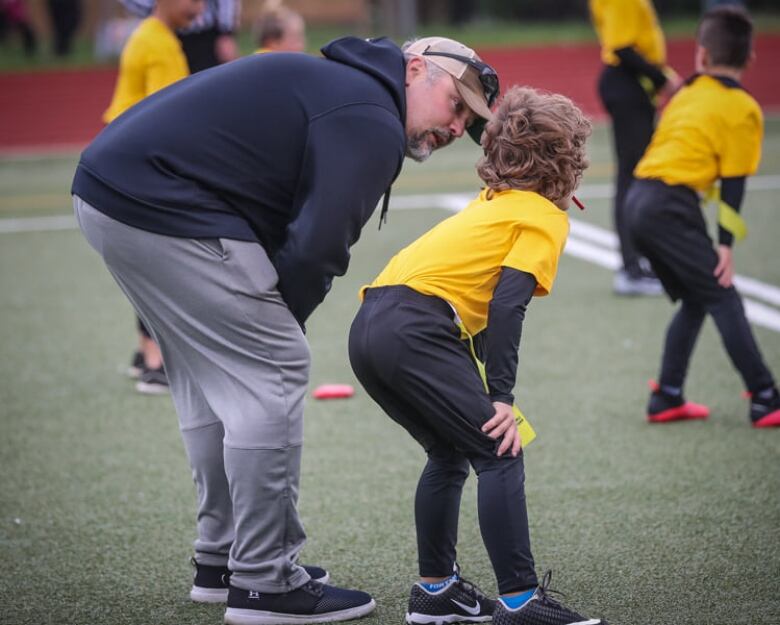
(599, 246)
(586, 192)
(37, 224)
(587, 242)
(609, 259)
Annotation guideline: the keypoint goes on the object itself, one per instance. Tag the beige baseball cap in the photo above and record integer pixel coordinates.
(476, 81)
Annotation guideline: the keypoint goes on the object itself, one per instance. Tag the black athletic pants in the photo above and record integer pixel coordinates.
(633, 120)
(670, 231)
(199, 48)
(65, 18)
(407, 353)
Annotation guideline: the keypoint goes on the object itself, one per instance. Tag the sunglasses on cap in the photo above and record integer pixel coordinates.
(487, 75)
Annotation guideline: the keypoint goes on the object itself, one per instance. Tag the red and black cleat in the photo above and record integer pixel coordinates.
(765, 413)
(665, 408)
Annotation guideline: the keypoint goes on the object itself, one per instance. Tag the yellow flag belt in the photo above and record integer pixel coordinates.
(524, 428)
(728, 218)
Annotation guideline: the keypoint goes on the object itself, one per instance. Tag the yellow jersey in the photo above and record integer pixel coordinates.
(628, 23)
(151, 59)
(711, 129)
(460, 259)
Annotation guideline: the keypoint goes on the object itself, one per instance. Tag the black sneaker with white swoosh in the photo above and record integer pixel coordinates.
(459, 601)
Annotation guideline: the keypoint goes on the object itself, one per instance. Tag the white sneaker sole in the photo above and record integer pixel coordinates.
(238, 616)
(443, 619)
(146, 388)
(199, 594)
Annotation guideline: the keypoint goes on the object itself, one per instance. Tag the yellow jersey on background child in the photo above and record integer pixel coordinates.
(151, 60)
(711, 129)
(628, 23)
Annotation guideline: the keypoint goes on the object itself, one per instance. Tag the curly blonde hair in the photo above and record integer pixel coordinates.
(535, 142)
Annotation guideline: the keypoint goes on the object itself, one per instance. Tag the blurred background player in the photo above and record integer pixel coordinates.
(406, 349)
(13, 16)
(65, 18)
(279, 29)
(712, 129)
(634, 53)
(210, 39)
(152, 59)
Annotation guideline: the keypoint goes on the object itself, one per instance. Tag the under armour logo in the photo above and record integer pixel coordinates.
(253, 594)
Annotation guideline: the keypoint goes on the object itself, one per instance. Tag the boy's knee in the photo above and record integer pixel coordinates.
(728, 301)
(448, 461)
(503, 464)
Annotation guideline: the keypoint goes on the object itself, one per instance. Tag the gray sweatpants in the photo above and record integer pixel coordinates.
(238, 365)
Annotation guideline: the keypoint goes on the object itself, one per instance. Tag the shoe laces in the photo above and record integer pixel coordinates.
(314, 588)
(470, 587)
(544, 590)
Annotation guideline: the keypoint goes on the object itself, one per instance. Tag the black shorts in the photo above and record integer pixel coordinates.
(669, 229)
(406, 350)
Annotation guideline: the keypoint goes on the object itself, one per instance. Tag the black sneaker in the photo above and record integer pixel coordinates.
(459, 601)
(153, 382)
(311, 603)
(541, 609)
(137, 366)
(765, 413)
(211, 583)
(636, 284)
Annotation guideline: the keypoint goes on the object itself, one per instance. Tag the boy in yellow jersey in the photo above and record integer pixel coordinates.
(711, 130)
(151, 59)
(478, 270)
(633, 51)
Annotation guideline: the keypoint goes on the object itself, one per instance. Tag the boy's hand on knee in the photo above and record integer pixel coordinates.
(503, 424)
(724, 271)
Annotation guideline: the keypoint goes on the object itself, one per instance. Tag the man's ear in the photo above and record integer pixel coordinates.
(702, 59)
(415, 68)
(751, 59)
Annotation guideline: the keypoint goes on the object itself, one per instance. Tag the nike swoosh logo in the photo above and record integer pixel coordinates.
(473, 610)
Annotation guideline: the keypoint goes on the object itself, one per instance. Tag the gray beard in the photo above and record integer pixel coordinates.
(417, 148)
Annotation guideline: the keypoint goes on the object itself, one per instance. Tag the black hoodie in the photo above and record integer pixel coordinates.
(288, 150)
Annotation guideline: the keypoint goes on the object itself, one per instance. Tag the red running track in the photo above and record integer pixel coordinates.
(62, 110)
(573, 70)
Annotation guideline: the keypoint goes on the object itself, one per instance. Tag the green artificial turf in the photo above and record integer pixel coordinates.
(673, 524)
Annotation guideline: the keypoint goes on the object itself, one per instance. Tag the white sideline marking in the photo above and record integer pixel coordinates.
(608, 259)
(602, 191)
(37, 224)
(761, 314)
(750, 286)
(599, 246)
(588, 242)
(758, 313)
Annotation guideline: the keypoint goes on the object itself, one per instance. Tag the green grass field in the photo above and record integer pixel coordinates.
(676, 524)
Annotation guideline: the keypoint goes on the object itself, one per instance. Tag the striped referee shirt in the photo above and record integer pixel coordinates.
(220, 14)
